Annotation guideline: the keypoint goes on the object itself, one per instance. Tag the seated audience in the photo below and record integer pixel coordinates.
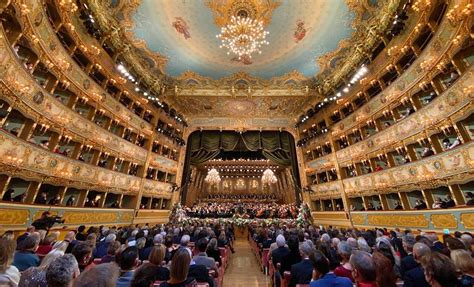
(385, 275)
(102, 275)
(301, 273)
(344, 250)
(202, 259)
(439, 270)
(83, 253)
(464, 264)
(127, 260)
(157, 258)
(9, 274)
(102, 246)
(179, 270)
(322, 277)
(213, 251)
(416, 276)
(62, 271)
(408, 262)
(46, 244)
(145, 276)
(364, 269)
(112, 250)
(36, 276)
(293, 257)
(25, 257)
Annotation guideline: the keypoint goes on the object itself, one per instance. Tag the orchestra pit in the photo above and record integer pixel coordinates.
(236, 143)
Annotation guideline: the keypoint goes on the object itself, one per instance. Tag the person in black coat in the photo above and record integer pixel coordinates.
(408, 262)
(213, 251)
(302, 273)
(416, 276)
(201, 274)
(280, 252)
(293, 257)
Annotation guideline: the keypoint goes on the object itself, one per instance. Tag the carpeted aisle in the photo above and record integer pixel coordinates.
(243, 270)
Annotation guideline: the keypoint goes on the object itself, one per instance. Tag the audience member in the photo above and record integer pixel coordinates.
(9, 274)
(344, 251)
(439, 270)
(36, 276)
(102, 275)
(62, 271)
(25, 257)
(301, 273)
(415, 277)
(385, 276)
(213, 251)
(157, 257)
(202, 259)
(321, 276)
(83, 253)
(127, 260)
(408, 262)
(464, 264)
(145, 276)
(179, 270)
(364, 270)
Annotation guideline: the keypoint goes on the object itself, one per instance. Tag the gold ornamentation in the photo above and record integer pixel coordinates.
(391, 220)
(13, 216)
(89, 217)
(444, 221)
(254, 9)
(358, 219)
(467, 220)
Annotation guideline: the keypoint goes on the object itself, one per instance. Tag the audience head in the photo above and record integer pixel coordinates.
(306, 249)
(202, 244)
(30, 243)
(420, 250)
(293, 243)
(212, 244)
(113, 248)
(83, 253)
(144, 276)
(127, 259)
(52, 256)
(344, 250)
(280, 241)
(363, 266)
(7, 249)
(454, 243)
(180, 265)
(185, 240)
(384, 270)
(408, 242)
(439, 270)
(102, 275)
(467, 240)
(158, 239)
(320, 264)
(110, 238)
(157, 255)
(62, 271)
(463, 261)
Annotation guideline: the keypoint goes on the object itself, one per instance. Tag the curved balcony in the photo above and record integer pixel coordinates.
(34, 100)
(31, 162)
(38, 29)
(454, 166)
(449, 104)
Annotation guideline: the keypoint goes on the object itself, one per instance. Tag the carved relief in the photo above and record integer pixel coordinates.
(413, 220)
(13, 216)
(444, 221)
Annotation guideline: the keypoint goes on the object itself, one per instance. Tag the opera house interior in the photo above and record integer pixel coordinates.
(222, 143)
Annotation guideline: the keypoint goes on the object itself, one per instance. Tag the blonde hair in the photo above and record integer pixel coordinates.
(157, 254)
(462, 260)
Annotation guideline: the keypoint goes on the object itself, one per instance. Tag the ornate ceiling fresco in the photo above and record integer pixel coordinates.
(184, 32)
(307, 38)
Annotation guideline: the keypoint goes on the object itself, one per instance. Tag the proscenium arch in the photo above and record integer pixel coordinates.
(277, 146)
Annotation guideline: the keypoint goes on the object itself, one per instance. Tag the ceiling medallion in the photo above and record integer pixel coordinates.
(242, 24)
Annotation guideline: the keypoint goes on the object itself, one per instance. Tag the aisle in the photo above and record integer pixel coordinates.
(243, 270)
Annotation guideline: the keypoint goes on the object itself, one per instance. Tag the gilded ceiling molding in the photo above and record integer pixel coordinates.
(223, 10)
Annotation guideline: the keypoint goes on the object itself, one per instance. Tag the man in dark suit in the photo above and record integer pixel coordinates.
(416, 276)
(280, 252)
(301, 273)
(408, 262)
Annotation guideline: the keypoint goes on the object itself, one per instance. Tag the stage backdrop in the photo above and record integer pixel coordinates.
(279, 147)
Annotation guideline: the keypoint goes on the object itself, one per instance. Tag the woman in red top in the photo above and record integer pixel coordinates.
(345, 269)
(47, 244)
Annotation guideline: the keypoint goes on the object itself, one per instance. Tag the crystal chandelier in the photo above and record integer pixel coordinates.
(268, 177)
(212, 177)
(243, 36)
